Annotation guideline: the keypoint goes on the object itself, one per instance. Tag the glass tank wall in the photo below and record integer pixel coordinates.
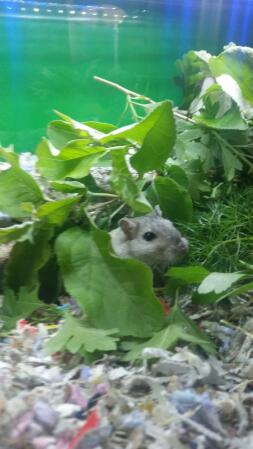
(50, 51)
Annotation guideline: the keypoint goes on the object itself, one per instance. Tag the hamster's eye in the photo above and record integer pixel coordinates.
(148, 236)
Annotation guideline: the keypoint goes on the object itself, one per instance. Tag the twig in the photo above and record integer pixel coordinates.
(201, 429)
(123, 89)
(133, 94)
(233, 326)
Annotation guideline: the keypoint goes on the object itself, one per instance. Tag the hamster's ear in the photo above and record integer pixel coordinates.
(129, 227)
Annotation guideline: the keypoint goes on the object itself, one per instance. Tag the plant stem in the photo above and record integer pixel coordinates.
(176, 298)
(184, 117)
(132, 108)
(132, 94)
(117, 211)
(123, 89)
(105, 195)
(98, 206)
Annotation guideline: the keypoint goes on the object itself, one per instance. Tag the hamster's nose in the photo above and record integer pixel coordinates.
(183, 245)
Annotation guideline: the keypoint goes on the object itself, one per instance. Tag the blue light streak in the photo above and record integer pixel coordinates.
(246, 22)
(186, 25)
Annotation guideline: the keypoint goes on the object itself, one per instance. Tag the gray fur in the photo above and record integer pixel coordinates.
(165, 250)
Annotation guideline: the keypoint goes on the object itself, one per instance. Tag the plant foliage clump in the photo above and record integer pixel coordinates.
(167, 157)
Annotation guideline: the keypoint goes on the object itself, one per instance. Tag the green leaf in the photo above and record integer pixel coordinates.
(207, 298)
(198, 181)
(237, 62)
(241, 289)
(99, 126)
(27, 258)
(69, 187)
(179, 277)
(124, 184)
(15, 232)
(137, 131)
(10, 156)
(81, 127)
(113, 292)
(190, 330)
(178, 174)
(230, 162)
(180, 328)
(158, 142)
(188, 275)
(18, 306)
(56, 212)
(193, 69)
(173, 199)
(74, 336)
(191, 150)
(220, 111)
(61, 133)
(18, 187)
(218, 282)
(193, 133)
(212, 298)
(74, 160)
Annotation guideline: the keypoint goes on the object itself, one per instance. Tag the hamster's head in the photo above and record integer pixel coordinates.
(153, 240)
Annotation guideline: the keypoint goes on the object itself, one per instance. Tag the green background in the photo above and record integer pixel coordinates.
(47, 60)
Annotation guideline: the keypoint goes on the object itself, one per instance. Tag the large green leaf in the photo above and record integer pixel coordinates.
(158, 142)
(113, 292)
(138, 131)
(17, 306)
(56, 212)
(173, 199)
(124, 184)
(180, 328)
(220, 111)
(75, 336)
(60, 133)
(74, 160)
(237, 62)
(16, 188)
(91, 131)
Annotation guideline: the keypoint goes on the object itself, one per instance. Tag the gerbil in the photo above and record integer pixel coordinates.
(150, 239)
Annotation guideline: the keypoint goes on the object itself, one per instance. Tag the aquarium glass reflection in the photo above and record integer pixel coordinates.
(50, 52)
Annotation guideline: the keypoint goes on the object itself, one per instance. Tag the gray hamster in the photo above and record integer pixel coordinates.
(151, 239)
